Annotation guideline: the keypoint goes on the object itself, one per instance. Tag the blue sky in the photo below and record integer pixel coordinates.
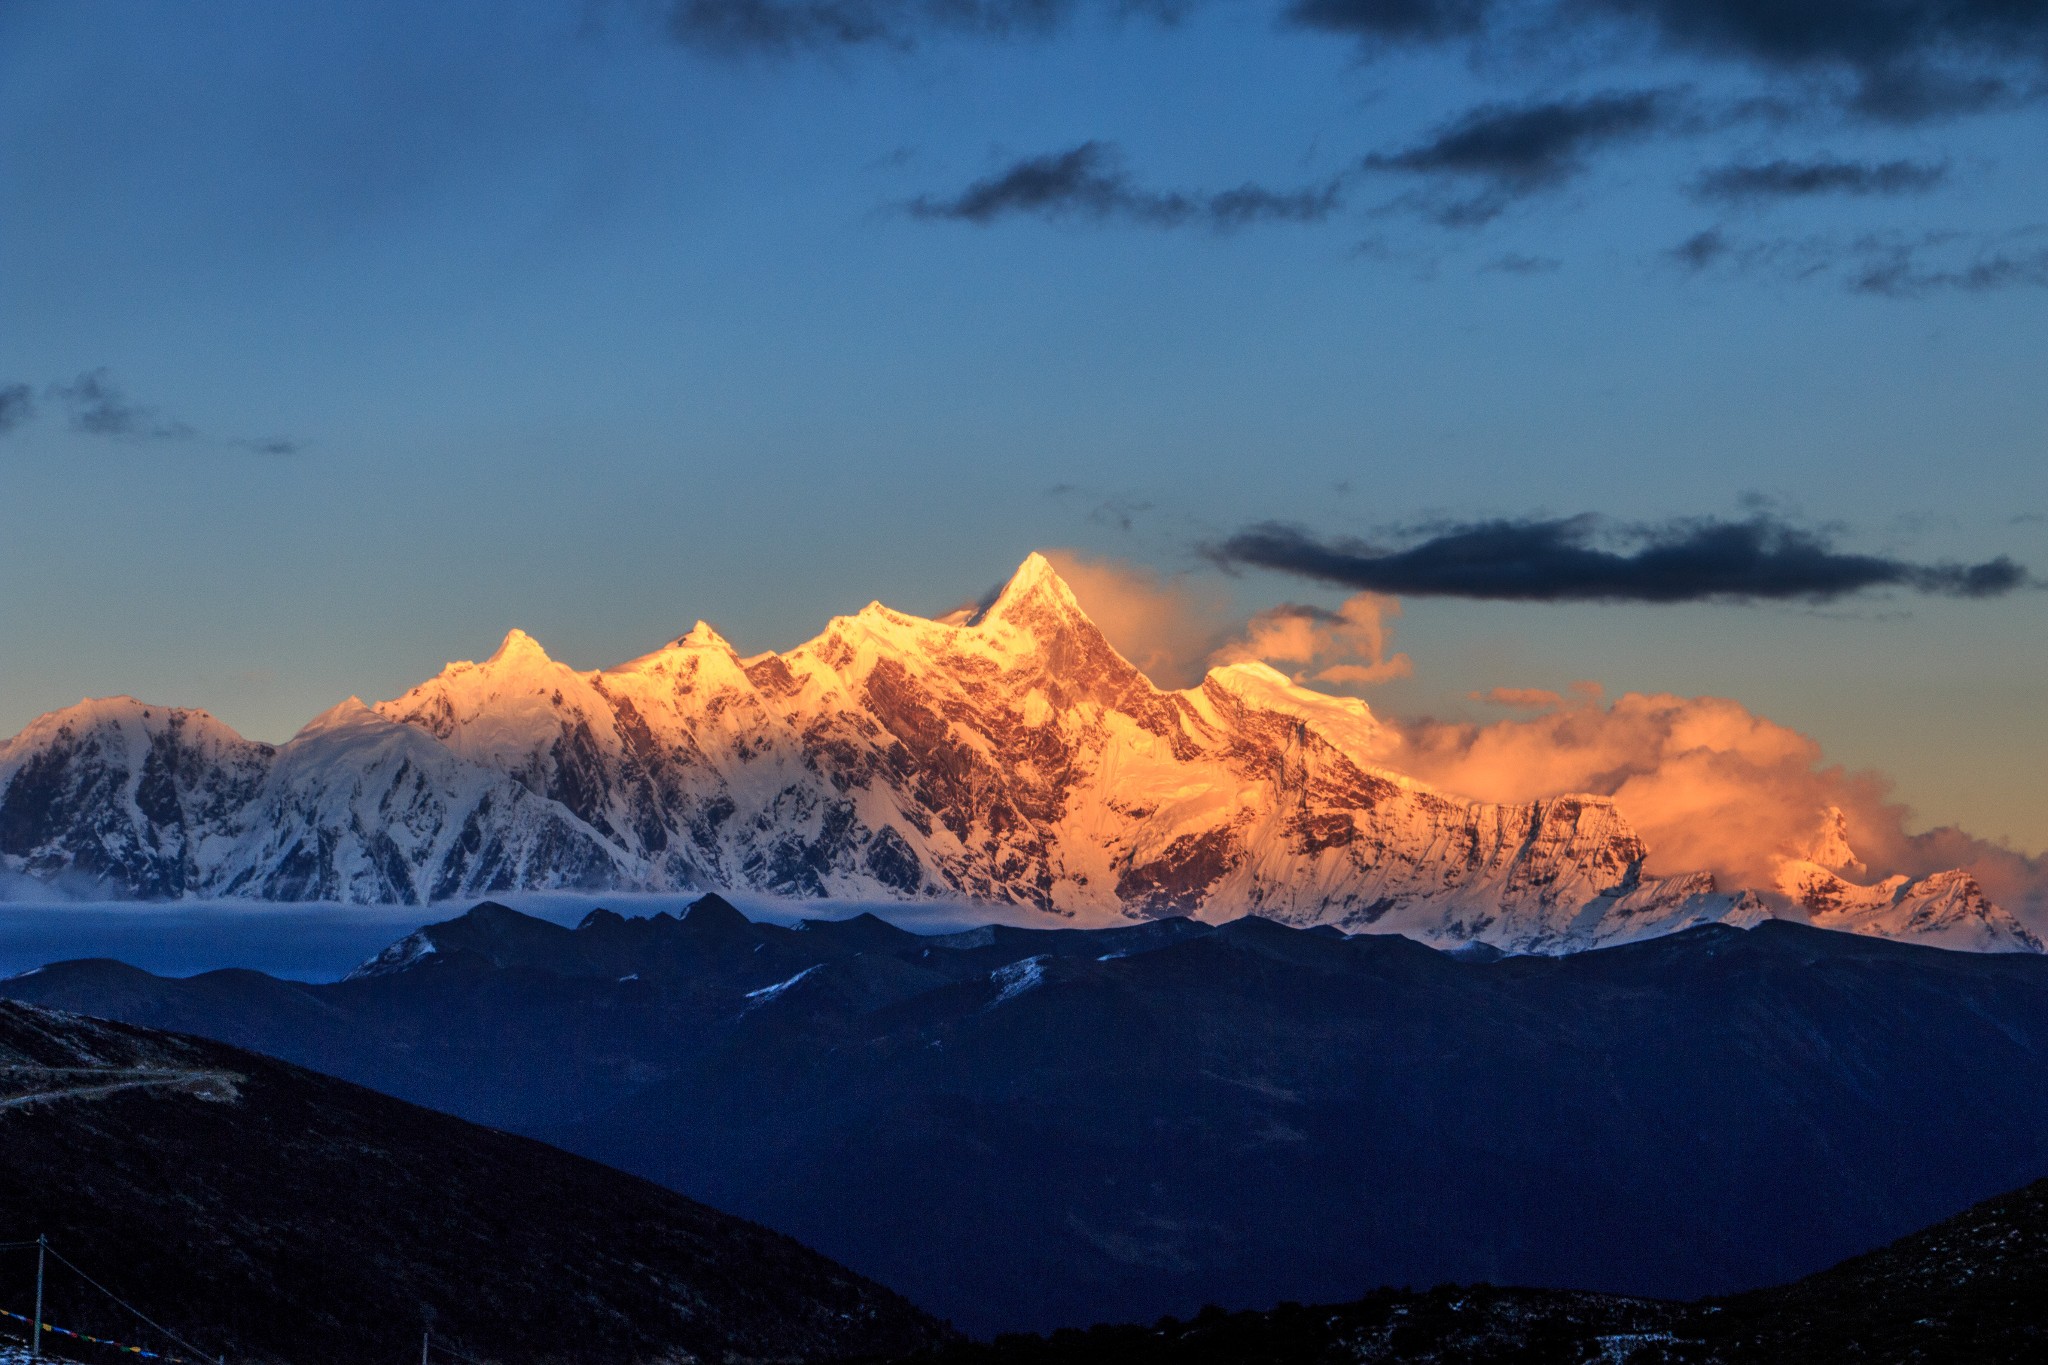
(414, 323)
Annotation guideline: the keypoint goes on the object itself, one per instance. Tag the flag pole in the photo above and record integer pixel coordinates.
(35, 1347)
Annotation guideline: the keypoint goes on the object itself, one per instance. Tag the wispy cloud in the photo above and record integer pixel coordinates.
(1088, 183)
(1782, 179)
(1905, 271)
(1891, 265)
(1119, 513)
(1490, 156)
(17, 405)
(97, 406)
(786, 27)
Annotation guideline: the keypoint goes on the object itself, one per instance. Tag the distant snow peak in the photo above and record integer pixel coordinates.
(1829, 847)
(1947, 909)
(1009, 755)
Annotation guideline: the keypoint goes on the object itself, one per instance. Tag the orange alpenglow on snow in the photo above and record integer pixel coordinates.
(1007, 755)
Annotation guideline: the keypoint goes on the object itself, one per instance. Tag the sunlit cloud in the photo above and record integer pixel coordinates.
(1167, 625)
(1347, 647)
(1708, 784)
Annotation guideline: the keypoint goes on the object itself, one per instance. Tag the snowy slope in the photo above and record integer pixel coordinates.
(1947, 909)
(360, 808)
(114, 792)
(1007, 756)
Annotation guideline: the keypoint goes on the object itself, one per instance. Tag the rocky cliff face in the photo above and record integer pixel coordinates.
(1009, 756)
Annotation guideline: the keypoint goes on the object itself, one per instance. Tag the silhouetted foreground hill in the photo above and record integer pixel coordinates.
(262, 1211)
(1974, 1288)
(1025, 1129)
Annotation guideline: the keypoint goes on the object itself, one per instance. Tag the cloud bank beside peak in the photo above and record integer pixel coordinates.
(1709, 784)
(1589, 559)
(1175, 628)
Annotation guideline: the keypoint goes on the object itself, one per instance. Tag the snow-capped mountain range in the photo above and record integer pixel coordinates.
(1005, 755)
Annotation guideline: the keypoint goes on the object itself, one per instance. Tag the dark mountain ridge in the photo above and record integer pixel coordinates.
(1971, 1288)
(272, 1214)
(1030, 1128)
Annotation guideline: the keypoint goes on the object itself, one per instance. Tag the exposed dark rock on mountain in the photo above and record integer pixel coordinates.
(260, 1210)
(1024, 1128)
(1012, 757)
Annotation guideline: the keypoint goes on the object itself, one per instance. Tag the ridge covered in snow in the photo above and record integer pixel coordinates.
(1007, 755)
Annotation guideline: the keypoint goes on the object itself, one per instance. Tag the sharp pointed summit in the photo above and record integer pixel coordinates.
(1014, 758)
(518, 648)
(703, 635)
(1034, 595)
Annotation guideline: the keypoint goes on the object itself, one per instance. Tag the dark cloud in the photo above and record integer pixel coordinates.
(17, 405)
(274, 445)
(97, 406)
(1906, 60)
(1911, 59)
(1823, 175)
(1087, 182)
(1896, 60)
(1872, 34)
(1509, 151)
(1393, 20)
(1586, 559)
